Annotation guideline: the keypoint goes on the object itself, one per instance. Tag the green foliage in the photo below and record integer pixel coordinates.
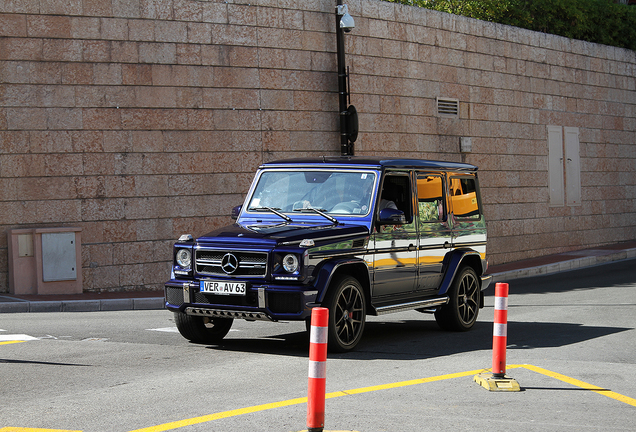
(487, 10)
(599, 21)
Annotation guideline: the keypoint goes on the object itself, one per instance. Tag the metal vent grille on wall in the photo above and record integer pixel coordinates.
(447, 107)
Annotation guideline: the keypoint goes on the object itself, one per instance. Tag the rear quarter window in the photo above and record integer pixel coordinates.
(463, 198)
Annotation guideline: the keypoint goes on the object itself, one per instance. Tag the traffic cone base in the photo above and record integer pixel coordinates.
(496, 383)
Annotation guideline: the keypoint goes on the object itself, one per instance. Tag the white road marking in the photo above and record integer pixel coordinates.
(16, 337)
(175, 330)
(165, 329)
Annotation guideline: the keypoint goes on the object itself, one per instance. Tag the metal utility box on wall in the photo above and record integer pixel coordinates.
(45, 261)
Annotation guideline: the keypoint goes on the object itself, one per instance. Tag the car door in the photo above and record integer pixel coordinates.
(395, 246)
(433, 229)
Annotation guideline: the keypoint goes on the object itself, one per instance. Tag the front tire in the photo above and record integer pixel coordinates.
(347, 314)
(202, 330)
(460, 313)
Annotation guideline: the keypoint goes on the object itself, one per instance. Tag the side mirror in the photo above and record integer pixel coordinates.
(235, 212)
(389, 216)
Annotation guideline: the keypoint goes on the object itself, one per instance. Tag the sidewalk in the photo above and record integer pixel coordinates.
(563, 262)
(145, 300)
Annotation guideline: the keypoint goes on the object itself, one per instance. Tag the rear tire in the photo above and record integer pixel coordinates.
(347, 314)
(460, 313)
(202, 330)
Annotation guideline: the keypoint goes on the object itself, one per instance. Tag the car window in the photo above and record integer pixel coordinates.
(335, 192)
(396, 193)
(430, 198)
(463, 197)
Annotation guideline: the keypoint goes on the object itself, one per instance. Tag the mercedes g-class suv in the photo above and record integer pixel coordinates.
(357, 235)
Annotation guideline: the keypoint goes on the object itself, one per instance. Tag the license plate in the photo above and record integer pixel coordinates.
(223, 288)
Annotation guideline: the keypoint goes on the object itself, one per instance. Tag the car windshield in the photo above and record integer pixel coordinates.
(331, 192)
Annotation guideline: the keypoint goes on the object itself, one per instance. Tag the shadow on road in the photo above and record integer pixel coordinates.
(413, 339)
(420, 339)
(33, 362)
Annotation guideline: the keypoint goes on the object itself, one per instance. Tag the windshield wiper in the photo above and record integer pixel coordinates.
(272, 210)
(320, 212)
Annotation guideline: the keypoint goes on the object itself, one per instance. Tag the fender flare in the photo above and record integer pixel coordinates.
(454, 261)
(331, 267)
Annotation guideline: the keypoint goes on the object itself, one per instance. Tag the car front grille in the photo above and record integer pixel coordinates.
(248, 264)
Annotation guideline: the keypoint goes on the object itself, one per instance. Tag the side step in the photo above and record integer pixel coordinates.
(382, 310)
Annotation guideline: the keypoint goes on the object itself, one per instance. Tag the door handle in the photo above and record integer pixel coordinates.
(411, 247)
(447, 245)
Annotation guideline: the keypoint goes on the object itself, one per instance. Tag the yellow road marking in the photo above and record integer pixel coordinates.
(400, 384)
(17, 429)
(297, 401)
(361, 390)
(581, 384)
(7, 343)
(221, 415)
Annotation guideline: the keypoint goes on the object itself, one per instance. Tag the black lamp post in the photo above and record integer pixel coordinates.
(348, 115)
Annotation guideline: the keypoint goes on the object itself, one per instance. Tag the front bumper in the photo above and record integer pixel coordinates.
(485, 281)
(223, 313)
(261, 302)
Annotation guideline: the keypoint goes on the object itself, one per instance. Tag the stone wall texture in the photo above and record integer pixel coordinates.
(140, 120)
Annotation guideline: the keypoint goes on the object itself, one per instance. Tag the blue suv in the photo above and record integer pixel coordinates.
(357, 235)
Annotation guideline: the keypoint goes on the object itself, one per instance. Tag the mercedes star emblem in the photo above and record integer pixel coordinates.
(229, 263)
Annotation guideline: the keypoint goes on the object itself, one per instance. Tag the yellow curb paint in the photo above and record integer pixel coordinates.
(582, 384)
(7, 343)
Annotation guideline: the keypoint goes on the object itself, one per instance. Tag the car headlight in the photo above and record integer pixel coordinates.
(290, 263)
(184, 258)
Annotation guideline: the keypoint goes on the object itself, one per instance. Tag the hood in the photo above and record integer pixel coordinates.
(275, 234)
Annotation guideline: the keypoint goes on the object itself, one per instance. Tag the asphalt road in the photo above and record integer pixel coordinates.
(571, 347)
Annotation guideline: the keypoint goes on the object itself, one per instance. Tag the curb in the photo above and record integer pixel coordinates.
(599, 257)
(21, 306)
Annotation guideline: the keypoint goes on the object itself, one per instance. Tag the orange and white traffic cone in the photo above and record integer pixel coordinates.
(317, 369)
(497, 380)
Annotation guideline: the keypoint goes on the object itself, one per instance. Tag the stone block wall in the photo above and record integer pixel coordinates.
(140, 120)
(511, 85)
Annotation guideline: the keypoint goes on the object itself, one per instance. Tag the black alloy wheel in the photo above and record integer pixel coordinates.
(347, 314)
(461, 312)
